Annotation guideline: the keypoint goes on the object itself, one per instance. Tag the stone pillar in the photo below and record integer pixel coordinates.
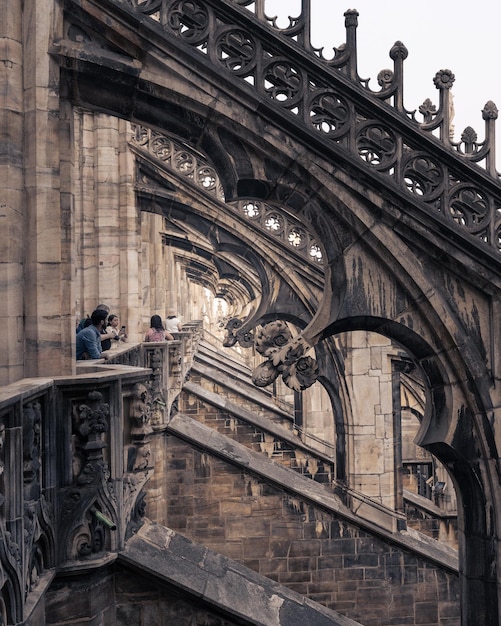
(12, 200)
(49, 315)
(107, 247)
(371, 435)
(36, 312)
(172, 283)
(86, 294)
(130, 241)
(153, 269)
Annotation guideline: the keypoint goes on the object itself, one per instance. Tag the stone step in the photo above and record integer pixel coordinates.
(262, 432)
(212, 378)
(226, 358)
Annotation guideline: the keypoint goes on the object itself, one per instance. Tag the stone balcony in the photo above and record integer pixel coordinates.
(74, 458)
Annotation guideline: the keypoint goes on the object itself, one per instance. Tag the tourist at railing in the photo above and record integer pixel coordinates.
(119, 334)
(106, 336)
(157, 331)
(173, 323)
(86, 321)
(88, 342)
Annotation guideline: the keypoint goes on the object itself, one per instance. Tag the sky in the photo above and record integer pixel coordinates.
(446, 34)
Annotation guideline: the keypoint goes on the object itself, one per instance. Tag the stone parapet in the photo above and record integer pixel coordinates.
(75, 456)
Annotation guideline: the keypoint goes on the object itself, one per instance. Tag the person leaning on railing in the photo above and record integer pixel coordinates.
(173, 323)
(88, 341)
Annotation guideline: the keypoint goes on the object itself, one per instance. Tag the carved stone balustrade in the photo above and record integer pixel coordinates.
(75, 457)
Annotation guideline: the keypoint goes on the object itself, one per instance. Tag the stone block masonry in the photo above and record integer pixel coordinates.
(302, 546)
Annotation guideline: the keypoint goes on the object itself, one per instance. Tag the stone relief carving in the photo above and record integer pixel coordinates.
(158, 400)
(177, 374)
(89, 504)
(33, 555)
(36, 524)
(234, 334)
(32, 416)
(92, 538)
(137, 514)
(139, 465)
(140, 416)
(2, 462)
(90, 424)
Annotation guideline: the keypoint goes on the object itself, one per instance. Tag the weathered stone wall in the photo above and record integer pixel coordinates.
(299, 545)
(121, 597)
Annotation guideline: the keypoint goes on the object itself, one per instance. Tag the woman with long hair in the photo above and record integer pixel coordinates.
(157, 331)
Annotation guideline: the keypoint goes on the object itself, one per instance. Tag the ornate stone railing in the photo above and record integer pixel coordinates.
(193, 165)
(328, 100)
(75, 456)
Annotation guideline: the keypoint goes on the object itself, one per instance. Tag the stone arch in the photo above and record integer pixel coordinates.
(439, 355)
(462, 441)
(240, 180)
(431, 360)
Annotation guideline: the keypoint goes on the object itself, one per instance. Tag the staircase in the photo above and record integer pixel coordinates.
(242, 483)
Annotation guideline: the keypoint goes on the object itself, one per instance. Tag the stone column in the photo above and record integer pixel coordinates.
(130, 241)
(12, 200)
(49, 312)
(108, 243)
(371, 437)
(171, 295)
(153, 268)
(35, 273)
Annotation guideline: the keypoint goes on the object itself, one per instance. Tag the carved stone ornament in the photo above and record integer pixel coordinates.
(2, 463)
(136, 515)
(245, 338)
(140, 414)
(287, 357)
(93, 534)
(90, 424)
(264, 374)
(158, 402)
(134, 499)
(32, 417)
(271, 337)
(301, 374)
(93, 417)
(232, 327)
